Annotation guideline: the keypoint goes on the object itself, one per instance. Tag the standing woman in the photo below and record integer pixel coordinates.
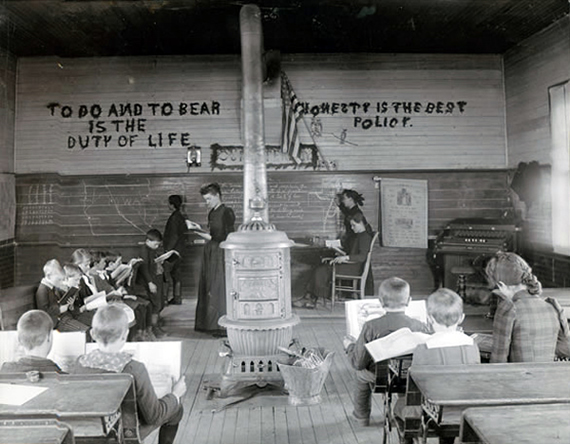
(349, 203)
(174, 239)
(212, 287)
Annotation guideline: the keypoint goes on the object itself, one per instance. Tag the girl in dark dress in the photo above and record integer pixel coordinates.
(212, 287)
(349, 203)
(319, 287)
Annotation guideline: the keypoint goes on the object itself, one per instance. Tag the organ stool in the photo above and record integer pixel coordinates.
(462, 272)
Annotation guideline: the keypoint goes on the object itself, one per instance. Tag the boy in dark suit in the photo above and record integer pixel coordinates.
(394, 294)
(35, 337)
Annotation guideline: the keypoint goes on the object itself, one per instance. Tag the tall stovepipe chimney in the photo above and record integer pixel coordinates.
(254, 172)
(257, 258)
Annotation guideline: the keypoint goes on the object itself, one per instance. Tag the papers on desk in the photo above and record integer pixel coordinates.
(359, 311)
(401, 342)
(160, 259)
(16, 394)
(161, 359)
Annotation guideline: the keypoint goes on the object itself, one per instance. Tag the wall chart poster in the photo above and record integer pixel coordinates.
(8, 205)
(404, 206)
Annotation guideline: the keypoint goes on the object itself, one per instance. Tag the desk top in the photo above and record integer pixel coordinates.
(528, 424)
(493, 384)
(32, 431)
(71, 395)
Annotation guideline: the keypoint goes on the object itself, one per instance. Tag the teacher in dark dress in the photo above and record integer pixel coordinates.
(212, 287)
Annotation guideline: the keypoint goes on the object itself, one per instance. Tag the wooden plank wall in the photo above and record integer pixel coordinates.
(56, 214)
(446, 111)
(530, 69)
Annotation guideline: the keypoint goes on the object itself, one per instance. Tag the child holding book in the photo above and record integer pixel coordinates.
(53, 297)
(110, 331)
(35, 329)
(394, 294)
(149, 279)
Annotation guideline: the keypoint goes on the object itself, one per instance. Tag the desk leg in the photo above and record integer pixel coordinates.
(466, 434)
(130, 421)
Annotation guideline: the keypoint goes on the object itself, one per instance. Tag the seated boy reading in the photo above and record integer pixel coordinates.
(446, 345)
(394, 294)
(35, 337)
(110, 331)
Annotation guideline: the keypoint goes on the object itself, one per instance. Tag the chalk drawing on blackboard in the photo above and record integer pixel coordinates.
(135, 210)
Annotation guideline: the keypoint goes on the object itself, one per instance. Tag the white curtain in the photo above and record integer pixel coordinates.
(560, 135)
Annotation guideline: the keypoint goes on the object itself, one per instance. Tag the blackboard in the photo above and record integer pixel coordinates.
(114, 210)
(56, 214)
(118, 210)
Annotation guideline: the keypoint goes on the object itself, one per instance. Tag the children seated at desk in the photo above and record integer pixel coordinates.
(53, 297)
(110, 331)
(446, 346)
(35, 336)
(526, 327)
(394, 294)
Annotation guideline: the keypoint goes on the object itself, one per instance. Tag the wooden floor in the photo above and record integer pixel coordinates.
(267, 418)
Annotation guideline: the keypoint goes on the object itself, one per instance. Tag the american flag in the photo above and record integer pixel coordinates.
(290, 118)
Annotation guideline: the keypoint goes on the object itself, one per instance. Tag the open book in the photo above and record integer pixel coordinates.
(160, 259)
(359, 311)
(161, 359)
(96, 300)
(335, 245)
(123, 272)
(401, 342)
(66, 347)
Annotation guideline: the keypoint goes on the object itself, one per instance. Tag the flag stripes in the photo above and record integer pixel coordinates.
(291, 115)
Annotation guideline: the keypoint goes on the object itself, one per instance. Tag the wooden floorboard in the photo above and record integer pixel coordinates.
(267, 417)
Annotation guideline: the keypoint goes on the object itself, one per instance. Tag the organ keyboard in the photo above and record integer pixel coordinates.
(469, 242)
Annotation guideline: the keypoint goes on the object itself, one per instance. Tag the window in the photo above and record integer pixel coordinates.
(560, 136)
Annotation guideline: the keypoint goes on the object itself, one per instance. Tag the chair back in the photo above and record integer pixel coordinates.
(366, 267)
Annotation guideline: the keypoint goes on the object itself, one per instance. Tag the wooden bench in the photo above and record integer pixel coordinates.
(14, 302)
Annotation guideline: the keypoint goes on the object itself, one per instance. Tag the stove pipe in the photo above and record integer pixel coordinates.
(257, 260)
(255, 176)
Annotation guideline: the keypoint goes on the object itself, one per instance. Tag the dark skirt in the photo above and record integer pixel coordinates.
(211, 289)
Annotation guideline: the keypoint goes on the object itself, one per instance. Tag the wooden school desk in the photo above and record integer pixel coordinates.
(447, 390)
(94, 405)
(525, 424)
(35, 431)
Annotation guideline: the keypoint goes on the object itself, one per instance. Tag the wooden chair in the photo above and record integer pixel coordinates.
(349, 283)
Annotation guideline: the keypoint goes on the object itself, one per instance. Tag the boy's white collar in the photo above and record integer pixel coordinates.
(448, 339)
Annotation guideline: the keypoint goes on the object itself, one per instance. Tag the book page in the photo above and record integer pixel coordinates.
(10, 349)
(417, 310)
(359, 311)
(401, 342)
(166, 255)
(96, 300)
(161, 359)
(67, 347)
